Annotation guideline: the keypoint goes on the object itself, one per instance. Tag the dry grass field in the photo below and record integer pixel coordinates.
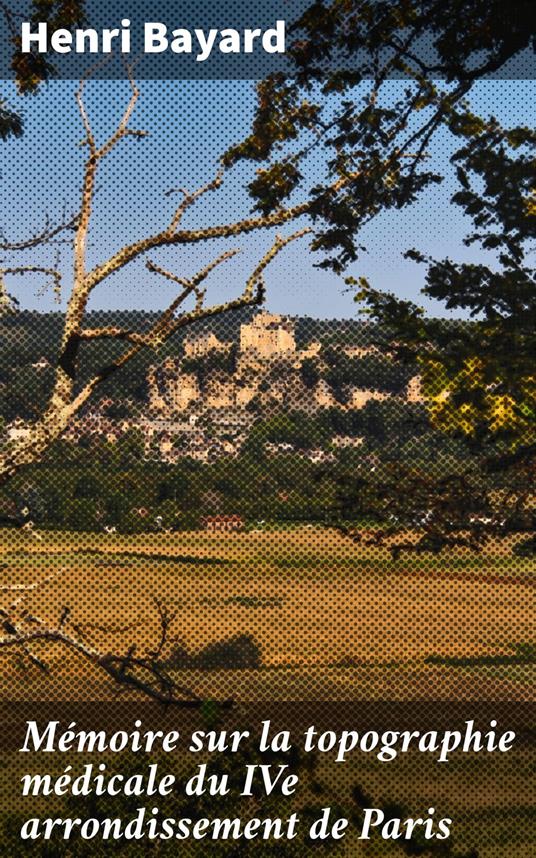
(332, 620)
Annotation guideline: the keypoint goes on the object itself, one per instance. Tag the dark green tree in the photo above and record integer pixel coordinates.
(479, 376)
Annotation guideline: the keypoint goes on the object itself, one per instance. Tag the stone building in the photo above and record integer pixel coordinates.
(323, 395)
(170, 390)
(359, 397)
(268, 336)
(203, 344)
(360, 351)
(414, 391)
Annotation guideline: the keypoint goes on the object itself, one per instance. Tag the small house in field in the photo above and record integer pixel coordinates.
(222, 523)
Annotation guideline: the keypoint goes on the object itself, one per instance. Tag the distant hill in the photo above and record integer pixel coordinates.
(29, 343)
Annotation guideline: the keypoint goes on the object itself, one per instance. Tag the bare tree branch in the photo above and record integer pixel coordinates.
(112, 333)
(65, 400)
(34, 269)
(191, 198)
(166, 618)
(197, 278)
(122, 129)
(9, 15)
(30, 588)
(179, 237)
(190, 284)
(167, 324)
(46, 236)
(145, 674)
(252, 295)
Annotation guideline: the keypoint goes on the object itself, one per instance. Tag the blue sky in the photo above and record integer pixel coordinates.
(190, 124)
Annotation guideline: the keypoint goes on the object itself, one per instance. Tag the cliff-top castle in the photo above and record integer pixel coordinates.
(267, 336)
(266, 370)
(204, 401)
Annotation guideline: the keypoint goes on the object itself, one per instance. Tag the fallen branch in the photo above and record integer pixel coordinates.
(144, 674)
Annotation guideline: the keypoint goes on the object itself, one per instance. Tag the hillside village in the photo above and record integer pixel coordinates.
(203, 402)
(250, 418)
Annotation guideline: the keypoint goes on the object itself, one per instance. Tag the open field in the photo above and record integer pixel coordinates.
(332, 620)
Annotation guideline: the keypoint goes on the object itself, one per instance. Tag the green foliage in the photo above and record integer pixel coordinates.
(215, 361)
(309, 372)
(522, 654)
(481, 382)
(274, 184)
(478, 376)
(112, 485)
(370, 142)
(338, 104)
(526, 548)
(286, 428)
(33, 69)
(371, 372)
(11, 124)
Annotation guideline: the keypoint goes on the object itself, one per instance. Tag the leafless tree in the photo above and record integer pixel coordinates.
(23, 631)
(68, 395)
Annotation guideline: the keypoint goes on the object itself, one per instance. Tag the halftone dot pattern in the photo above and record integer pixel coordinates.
(205, 515)
(200, 59)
